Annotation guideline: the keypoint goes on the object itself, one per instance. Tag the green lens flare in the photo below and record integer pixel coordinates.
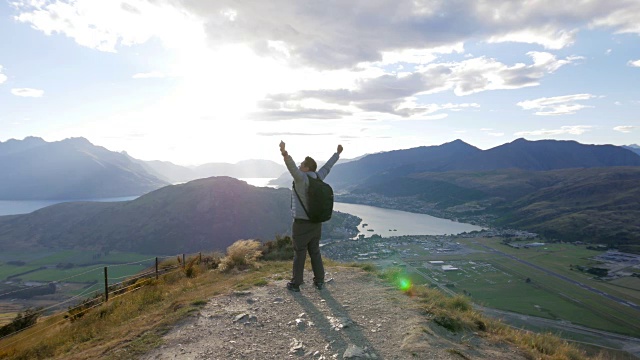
(405, 284)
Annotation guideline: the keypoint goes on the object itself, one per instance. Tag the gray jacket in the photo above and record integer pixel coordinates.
(302, 183)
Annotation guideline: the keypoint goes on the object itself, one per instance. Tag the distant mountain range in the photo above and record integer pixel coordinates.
(460, 156)
(33, 169)
(243, 169)
(562, 189)
(633, 147)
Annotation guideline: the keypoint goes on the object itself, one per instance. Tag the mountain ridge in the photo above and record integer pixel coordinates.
(69, 169)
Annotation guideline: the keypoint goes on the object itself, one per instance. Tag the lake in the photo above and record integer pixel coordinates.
(259, 182)
(387, 222)
(382, 221)
(15, 207)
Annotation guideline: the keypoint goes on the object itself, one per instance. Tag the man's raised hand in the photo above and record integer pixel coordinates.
(281, 145)
(339, 149)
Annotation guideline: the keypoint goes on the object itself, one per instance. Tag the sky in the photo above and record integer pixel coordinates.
(198, 81)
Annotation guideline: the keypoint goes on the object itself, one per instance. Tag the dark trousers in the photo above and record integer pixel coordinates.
(306, 237)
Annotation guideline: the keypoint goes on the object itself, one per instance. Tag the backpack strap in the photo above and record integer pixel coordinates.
(298, 195)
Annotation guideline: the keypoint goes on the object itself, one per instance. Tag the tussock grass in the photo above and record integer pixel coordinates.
(241, 255)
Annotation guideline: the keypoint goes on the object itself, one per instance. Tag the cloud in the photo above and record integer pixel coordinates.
(572, 130)
(559, 105)
(333, 34)
(634, 63)
(398, 94)
(150, 75)
(105, 25)
(625, 128)
(27, 92)
(313, 34)
(3, 77)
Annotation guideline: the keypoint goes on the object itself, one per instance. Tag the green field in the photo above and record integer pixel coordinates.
(85, 277)
(499, 282)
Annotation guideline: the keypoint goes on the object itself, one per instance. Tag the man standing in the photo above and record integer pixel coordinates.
(305, 234)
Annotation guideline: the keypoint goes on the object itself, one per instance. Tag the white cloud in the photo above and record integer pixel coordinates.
(399, 94)
(104, 25)
(634, 63)
(150, 75)
(549, 37)
(482, 74)
(310, 33)
(27, 92)
(625, 128)
(3, 77)
(571, 130)
(559, 105)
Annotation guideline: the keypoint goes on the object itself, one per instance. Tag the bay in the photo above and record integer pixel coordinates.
(16, 207)
(387, 222)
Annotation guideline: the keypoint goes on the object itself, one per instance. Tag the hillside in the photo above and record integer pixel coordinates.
(33, 169)
(250, 314)
(593, 204)
(356, 317)
(205, 214)
(633, 147)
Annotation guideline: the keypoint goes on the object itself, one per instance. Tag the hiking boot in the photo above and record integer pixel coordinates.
(293, 287)
(318, 285)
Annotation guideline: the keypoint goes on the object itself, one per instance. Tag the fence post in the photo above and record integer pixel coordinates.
(200, 259)
(156, 268)
(183, 264)
(106, 285)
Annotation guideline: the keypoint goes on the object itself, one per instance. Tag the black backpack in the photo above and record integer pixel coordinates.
(320, 196)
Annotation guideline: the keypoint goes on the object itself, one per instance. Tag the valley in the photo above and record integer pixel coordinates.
(484, 267)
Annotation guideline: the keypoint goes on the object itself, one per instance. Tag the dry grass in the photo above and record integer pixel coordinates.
(135, 322)
(241, 255)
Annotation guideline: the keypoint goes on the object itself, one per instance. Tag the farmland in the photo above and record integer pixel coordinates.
(492, 275)
(75, 274)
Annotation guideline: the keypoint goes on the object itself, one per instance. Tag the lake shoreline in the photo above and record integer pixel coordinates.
(387, 222)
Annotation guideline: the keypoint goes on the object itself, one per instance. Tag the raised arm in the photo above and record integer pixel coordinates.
(324, 170)
(297, 174)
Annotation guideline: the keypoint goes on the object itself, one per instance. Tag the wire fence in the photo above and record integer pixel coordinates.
(128, 284)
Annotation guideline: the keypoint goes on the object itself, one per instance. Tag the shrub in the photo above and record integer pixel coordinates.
(279, 249)
(212, 261)
(241, 255)
(22, 321)
(190, 268)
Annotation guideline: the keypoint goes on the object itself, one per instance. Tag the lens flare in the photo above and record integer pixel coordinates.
(404, 284)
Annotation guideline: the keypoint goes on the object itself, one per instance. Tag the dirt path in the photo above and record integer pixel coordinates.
(356, 316)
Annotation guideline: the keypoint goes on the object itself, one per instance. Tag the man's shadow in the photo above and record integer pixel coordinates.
(339, 339)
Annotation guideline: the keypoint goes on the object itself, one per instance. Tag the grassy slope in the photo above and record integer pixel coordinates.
(134, 323)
